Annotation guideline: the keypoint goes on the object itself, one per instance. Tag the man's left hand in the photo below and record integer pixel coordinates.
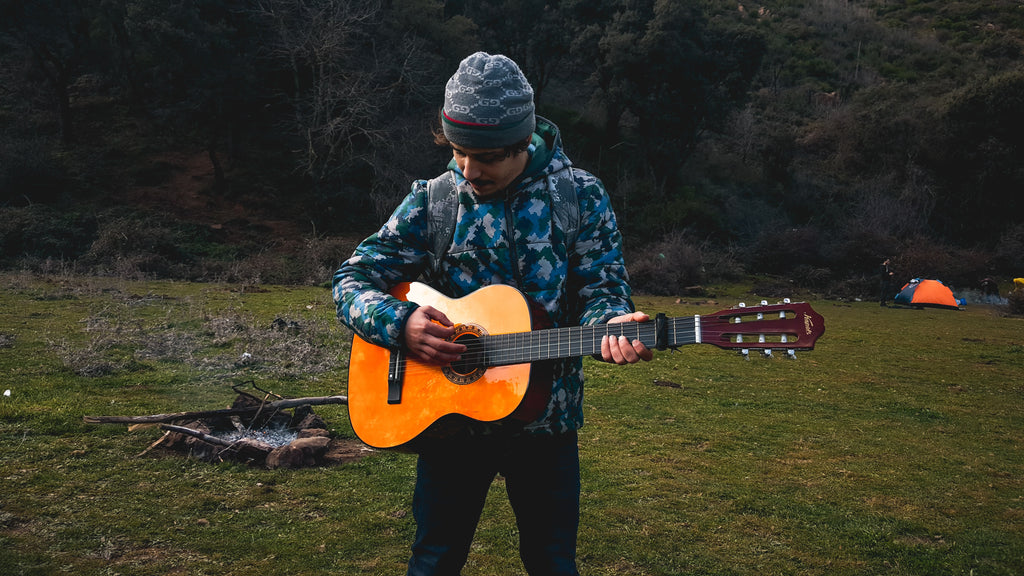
(619, 349)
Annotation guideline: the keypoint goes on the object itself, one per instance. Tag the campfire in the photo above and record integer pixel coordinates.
(266, 430)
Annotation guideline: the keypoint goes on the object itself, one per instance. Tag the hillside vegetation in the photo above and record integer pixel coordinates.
(256, 142)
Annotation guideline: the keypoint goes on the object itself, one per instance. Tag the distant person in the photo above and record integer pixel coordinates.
(885, 283)
(989, 287)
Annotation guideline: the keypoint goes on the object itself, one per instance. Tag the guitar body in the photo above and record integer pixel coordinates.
(430, 392)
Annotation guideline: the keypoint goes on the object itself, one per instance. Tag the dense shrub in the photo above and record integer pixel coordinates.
(861, 251)
(862, 287)
(139, 245)
(40, 232)
(721, 264)
(30, 171)
(1009, 253)
(667, 267)
(1015, 302)
(780, 251)
(322, 257)
(928, 258)
(812, 277)
(135, 247)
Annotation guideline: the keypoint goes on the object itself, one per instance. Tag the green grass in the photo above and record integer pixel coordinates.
(895, 447)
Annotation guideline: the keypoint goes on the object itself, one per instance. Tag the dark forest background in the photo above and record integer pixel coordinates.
(258, 140)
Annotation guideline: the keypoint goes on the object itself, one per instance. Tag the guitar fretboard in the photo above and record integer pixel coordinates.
(554, 343)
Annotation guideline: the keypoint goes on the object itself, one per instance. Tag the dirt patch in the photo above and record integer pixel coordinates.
(343, 450)
(183, 185)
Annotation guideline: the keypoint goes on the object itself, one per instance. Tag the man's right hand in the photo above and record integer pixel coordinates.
(426, 337)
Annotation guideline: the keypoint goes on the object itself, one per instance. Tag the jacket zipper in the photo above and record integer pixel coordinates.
(510, 232)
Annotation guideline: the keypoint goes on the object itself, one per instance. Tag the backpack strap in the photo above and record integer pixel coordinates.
(442, 208)
(565, 205)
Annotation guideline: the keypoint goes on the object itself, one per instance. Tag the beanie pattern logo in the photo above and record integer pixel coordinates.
(488, 103)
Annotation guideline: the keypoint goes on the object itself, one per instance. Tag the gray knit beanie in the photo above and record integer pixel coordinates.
(488, 103)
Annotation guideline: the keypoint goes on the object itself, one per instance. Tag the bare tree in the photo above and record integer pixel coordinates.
(59, 36)
(341, 81)
(332, 99)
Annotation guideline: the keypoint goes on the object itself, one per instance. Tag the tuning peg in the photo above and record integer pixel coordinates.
(746, 354)
(767, 352)
(791, 354)
(785, 301)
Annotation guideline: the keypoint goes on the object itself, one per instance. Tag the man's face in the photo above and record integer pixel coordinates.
(489, 170)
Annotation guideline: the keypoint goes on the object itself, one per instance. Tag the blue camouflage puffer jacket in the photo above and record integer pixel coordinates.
(511, 240)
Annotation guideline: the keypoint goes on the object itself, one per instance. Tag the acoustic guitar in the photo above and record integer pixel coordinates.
(393, 399)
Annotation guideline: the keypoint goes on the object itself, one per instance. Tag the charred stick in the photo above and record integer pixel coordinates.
(156, 418)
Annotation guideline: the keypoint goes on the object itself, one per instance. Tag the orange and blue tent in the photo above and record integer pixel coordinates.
(931, 293)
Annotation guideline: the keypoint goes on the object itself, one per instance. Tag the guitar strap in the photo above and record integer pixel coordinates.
(443, 208)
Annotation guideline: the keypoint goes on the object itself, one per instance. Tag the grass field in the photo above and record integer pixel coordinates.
(895, 447)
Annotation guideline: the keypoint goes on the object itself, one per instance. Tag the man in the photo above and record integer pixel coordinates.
(885, 277)
(507, 170)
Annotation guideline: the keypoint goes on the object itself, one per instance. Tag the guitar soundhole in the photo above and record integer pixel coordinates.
(472, 365)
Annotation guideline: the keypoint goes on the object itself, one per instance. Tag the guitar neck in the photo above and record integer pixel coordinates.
(787, 326)
(571, 342)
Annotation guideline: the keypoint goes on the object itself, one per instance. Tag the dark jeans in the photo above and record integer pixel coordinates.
(542, 478)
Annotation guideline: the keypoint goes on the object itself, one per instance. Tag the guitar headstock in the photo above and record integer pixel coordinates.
(788, 326)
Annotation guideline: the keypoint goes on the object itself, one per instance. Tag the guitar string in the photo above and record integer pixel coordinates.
(554, 343)
(566, 342)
